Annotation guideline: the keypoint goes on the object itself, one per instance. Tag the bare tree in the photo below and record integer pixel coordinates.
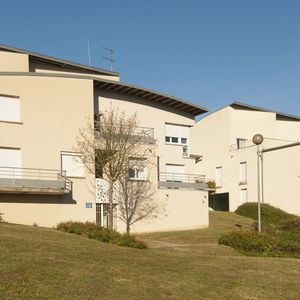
(107, 143)
(138, 202)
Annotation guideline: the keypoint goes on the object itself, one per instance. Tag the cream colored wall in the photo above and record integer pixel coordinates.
(52, 110)
(213, 136)
(281, 179)
(184, 210)
(44, 67)
(155, 116)
(13, 62)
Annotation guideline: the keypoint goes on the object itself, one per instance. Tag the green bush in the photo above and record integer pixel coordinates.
(270, 215)
(96, 232)
(252, 243)
(290, 225)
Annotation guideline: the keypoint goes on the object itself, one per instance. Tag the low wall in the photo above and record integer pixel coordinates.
(183, 210)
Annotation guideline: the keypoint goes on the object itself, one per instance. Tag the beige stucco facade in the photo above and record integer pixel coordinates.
(215, 137)
(55, 102)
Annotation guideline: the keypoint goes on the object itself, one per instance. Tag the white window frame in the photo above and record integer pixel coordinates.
(72, 173)
(139, 169)
(243, 196)
(243, 172)
(179, 137)
(219, 177)
(15, 116)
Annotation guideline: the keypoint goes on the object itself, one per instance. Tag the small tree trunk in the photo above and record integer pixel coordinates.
(127, 228)
(110, 210)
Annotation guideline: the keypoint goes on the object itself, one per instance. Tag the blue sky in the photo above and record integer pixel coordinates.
(208, 52)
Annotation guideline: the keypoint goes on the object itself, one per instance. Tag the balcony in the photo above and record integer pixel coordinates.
(181, 181)
(34, 181)
(144, 134)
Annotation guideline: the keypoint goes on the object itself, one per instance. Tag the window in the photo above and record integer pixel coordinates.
(72, 164)
(243, 196)
(178, 134)
(243, 172)
(219, 177)
(10, 110)
(138, 169)
(241, 143)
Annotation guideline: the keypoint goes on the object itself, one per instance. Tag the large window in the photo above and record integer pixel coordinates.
(10, 110)
(178, 134)
(72, 164)
(219, 177)
(138, 169)
(243, 172)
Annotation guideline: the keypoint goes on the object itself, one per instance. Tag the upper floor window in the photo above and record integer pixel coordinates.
(178, 134)
(240, 143)
(71, 163)
(137, 169)
(10, 110)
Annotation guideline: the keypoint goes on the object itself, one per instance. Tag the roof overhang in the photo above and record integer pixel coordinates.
(150, 95)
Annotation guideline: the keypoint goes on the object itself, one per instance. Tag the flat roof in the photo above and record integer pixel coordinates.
(58, 61)
(127, 89)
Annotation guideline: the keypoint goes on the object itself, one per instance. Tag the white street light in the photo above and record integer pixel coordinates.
(257, 140)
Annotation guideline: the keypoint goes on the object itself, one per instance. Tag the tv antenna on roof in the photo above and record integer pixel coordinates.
(111, 57)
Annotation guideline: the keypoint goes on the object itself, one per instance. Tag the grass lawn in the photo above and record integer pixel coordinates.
(38, 263)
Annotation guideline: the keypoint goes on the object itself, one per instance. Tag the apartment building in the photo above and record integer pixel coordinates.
(224, 138)
(44, 101)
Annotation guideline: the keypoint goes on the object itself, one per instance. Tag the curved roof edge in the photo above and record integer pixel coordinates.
(58, 61)
(127, 89)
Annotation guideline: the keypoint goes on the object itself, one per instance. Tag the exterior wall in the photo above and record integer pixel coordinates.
(212, 137)
(155, 116)
(184, 210)
(13, 62)
(52, 110)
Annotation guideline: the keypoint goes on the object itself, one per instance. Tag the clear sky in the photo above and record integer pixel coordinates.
(210, 52)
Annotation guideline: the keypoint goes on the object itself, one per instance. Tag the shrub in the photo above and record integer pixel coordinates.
(290, 225)
(1, 217)
(270, 215)
(96, 232)
(211, 184)
(252, 243)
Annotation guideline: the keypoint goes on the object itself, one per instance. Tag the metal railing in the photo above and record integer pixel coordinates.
(30, 177)
(179, 177)
(145, 132)
(241, 145)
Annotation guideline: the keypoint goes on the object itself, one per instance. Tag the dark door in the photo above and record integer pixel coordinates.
(219, 202)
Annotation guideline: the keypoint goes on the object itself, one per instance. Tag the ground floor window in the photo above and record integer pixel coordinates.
(102, 210)
(243, 196)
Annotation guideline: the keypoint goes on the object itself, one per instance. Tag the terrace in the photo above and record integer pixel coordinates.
(34, 181)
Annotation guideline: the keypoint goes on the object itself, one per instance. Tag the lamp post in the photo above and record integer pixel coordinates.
(257, 140)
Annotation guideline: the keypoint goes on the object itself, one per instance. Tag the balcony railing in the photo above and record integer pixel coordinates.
(241, 145)
(34, 180)
(179, 180)
(145, 134)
